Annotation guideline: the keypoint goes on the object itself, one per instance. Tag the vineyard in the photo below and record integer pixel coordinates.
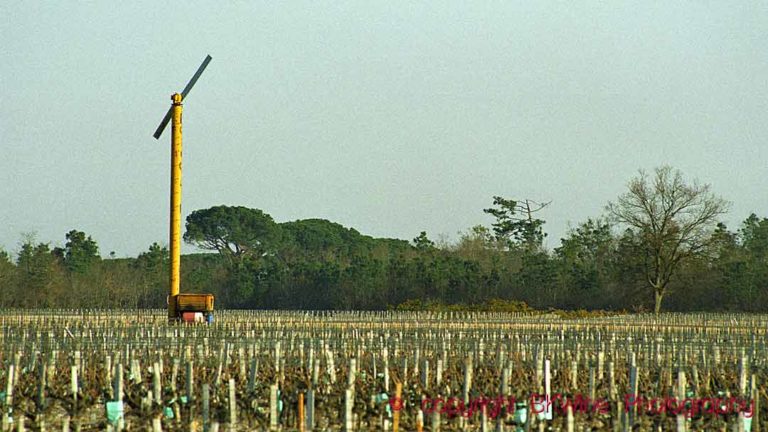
(77, 370)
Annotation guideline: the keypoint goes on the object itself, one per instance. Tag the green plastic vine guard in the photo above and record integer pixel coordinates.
(114, 411)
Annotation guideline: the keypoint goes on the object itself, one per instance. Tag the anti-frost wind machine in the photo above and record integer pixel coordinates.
(187, 307)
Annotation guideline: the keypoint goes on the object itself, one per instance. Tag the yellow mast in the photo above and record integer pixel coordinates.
(175, 229)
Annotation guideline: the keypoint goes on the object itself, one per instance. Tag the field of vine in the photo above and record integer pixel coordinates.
(78, 370)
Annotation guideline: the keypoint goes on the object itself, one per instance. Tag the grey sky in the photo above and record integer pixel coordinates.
(389, 117)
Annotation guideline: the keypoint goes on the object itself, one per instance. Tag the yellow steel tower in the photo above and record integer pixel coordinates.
(175, 229)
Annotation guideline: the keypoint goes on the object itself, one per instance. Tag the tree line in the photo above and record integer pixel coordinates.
(660, 245)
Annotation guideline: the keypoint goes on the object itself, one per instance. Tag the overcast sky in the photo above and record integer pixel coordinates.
(390, 117)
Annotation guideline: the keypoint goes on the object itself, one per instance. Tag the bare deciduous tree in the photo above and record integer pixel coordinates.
(674, 220)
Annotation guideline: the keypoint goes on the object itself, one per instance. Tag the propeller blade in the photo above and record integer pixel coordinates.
(197, 74)
(184, 93)
(163, 124)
